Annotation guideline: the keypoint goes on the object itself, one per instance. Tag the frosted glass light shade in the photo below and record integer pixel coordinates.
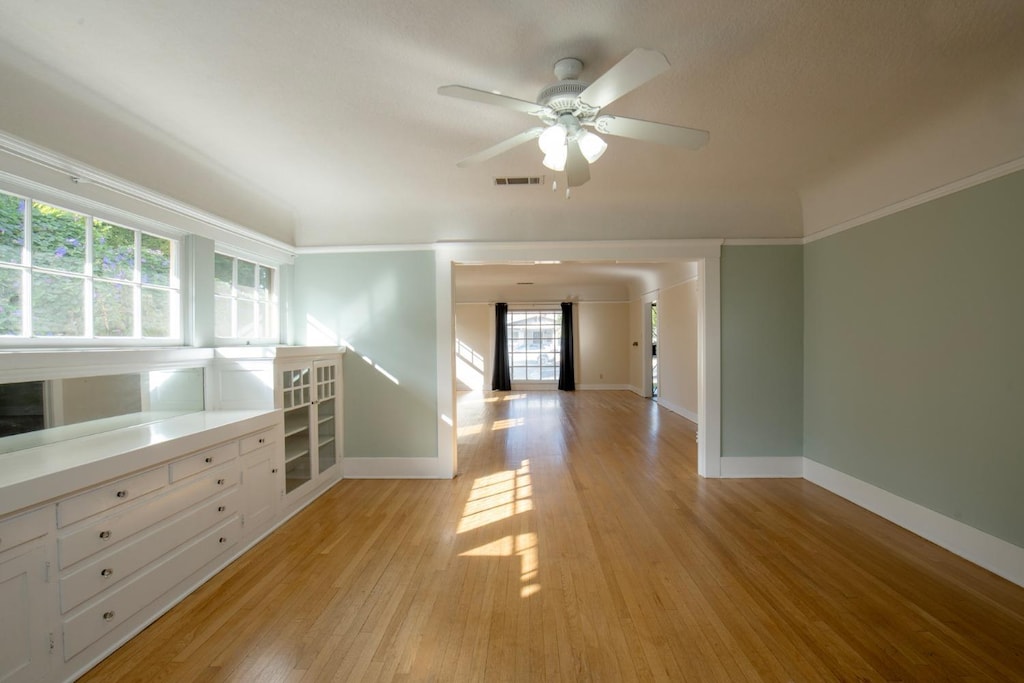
(556, 159)
(591, 145)
(551, 139)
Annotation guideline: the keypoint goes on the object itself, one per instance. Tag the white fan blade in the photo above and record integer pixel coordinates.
(474, 95)
(650, 131)
(632, 71)
(501, 147)
(577, 170)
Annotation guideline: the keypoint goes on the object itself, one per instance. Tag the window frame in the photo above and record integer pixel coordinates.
(555, 351)
(272, 301)
(92, 215)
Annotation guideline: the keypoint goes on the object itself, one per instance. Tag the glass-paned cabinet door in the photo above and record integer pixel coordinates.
(295, 389)
(296, 398)
(326, 415)
(325, 381)
(327, 450)
(298, 461)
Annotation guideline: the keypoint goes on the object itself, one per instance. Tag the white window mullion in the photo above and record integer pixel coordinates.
(137, 288)
(234, 298)
(88, 303)
(26, 273)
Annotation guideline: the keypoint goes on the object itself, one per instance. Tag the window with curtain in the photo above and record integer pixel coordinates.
(68, 275)
(534, 345)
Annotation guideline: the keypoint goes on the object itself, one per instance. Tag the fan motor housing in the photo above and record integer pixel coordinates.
(561, 96)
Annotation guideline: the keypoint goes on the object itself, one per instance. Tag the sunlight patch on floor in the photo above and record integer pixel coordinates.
(508, 424)
(495, 498)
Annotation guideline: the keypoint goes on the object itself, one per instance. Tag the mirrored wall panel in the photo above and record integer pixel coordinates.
(41, 412)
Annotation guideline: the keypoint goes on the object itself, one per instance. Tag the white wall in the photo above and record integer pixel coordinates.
(677, 348)
(474, 341)
(603, 337)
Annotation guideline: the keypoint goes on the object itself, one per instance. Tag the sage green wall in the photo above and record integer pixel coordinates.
(914, 355)
(762, 351)
(383, 306)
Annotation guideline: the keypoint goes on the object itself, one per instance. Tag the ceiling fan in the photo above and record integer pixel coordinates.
(567, 108)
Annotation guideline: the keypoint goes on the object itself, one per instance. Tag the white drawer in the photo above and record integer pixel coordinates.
(258, 440)
(109, 568)
(109, 496)
(23, 528)
(203, 460)
(114, 607)
(104, 533)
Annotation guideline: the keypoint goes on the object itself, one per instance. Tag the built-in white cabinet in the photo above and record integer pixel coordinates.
(262, 464)
(304, 383)
(308, 398)
(26, 641)
(83, 572)
(103, 530)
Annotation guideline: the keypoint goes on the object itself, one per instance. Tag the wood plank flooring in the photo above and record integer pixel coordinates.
(579, 544)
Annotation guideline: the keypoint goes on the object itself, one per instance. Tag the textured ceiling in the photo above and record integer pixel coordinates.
(317, 121)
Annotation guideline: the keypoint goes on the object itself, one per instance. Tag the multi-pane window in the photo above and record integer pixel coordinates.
(534, 344)
(245, 305)
(66, 274)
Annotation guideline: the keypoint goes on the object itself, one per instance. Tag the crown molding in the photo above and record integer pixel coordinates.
(81, 173)
(362, 248)
(922, 198)
(764, 242)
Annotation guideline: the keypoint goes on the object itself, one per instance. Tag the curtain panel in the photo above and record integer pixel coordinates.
(566, 367)
(501, 378)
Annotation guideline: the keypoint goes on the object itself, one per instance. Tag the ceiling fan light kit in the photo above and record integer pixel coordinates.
(568, 107)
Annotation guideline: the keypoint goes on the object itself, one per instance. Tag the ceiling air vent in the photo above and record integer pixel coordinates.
(520, 180)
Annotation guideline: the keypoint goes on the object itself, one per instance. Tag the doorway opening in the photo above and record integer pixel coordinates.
(653, 263)
(654, 350)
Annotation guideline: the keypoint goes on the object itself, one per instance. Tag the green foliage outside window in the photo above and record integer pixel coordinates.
(129, 268)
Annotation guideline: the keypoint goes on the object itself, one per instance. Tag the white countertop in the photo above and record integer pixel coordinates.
(36, 475)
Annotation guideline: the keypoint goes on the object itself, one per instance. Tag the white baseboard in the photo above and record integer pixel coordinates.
(603, 387)
(764, 468)
(678, 410)
(392, 468)
(994, 554)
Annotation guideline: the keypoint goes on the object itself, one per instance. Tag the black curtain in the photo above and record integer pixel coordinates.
(566, 367)
(501, 379)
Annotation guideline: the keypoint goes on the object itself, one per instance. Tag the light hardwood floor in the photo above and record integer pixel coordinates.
(579, 544)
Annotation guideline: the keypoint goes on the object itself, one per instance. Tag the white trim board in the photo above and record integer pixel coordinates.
(678, 410)
(768, 467)
(987, 551)
(603, 387)
(393, 468)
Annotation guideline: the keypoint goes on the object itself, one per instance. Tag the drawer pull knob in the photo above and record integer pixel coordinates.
(123, 493)
(273, 471)
(108, 616)
(223, 540)
(208, 459)
(220, 482)
(261, 441)
(105, 534)
(221, 508)
(107, 572)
